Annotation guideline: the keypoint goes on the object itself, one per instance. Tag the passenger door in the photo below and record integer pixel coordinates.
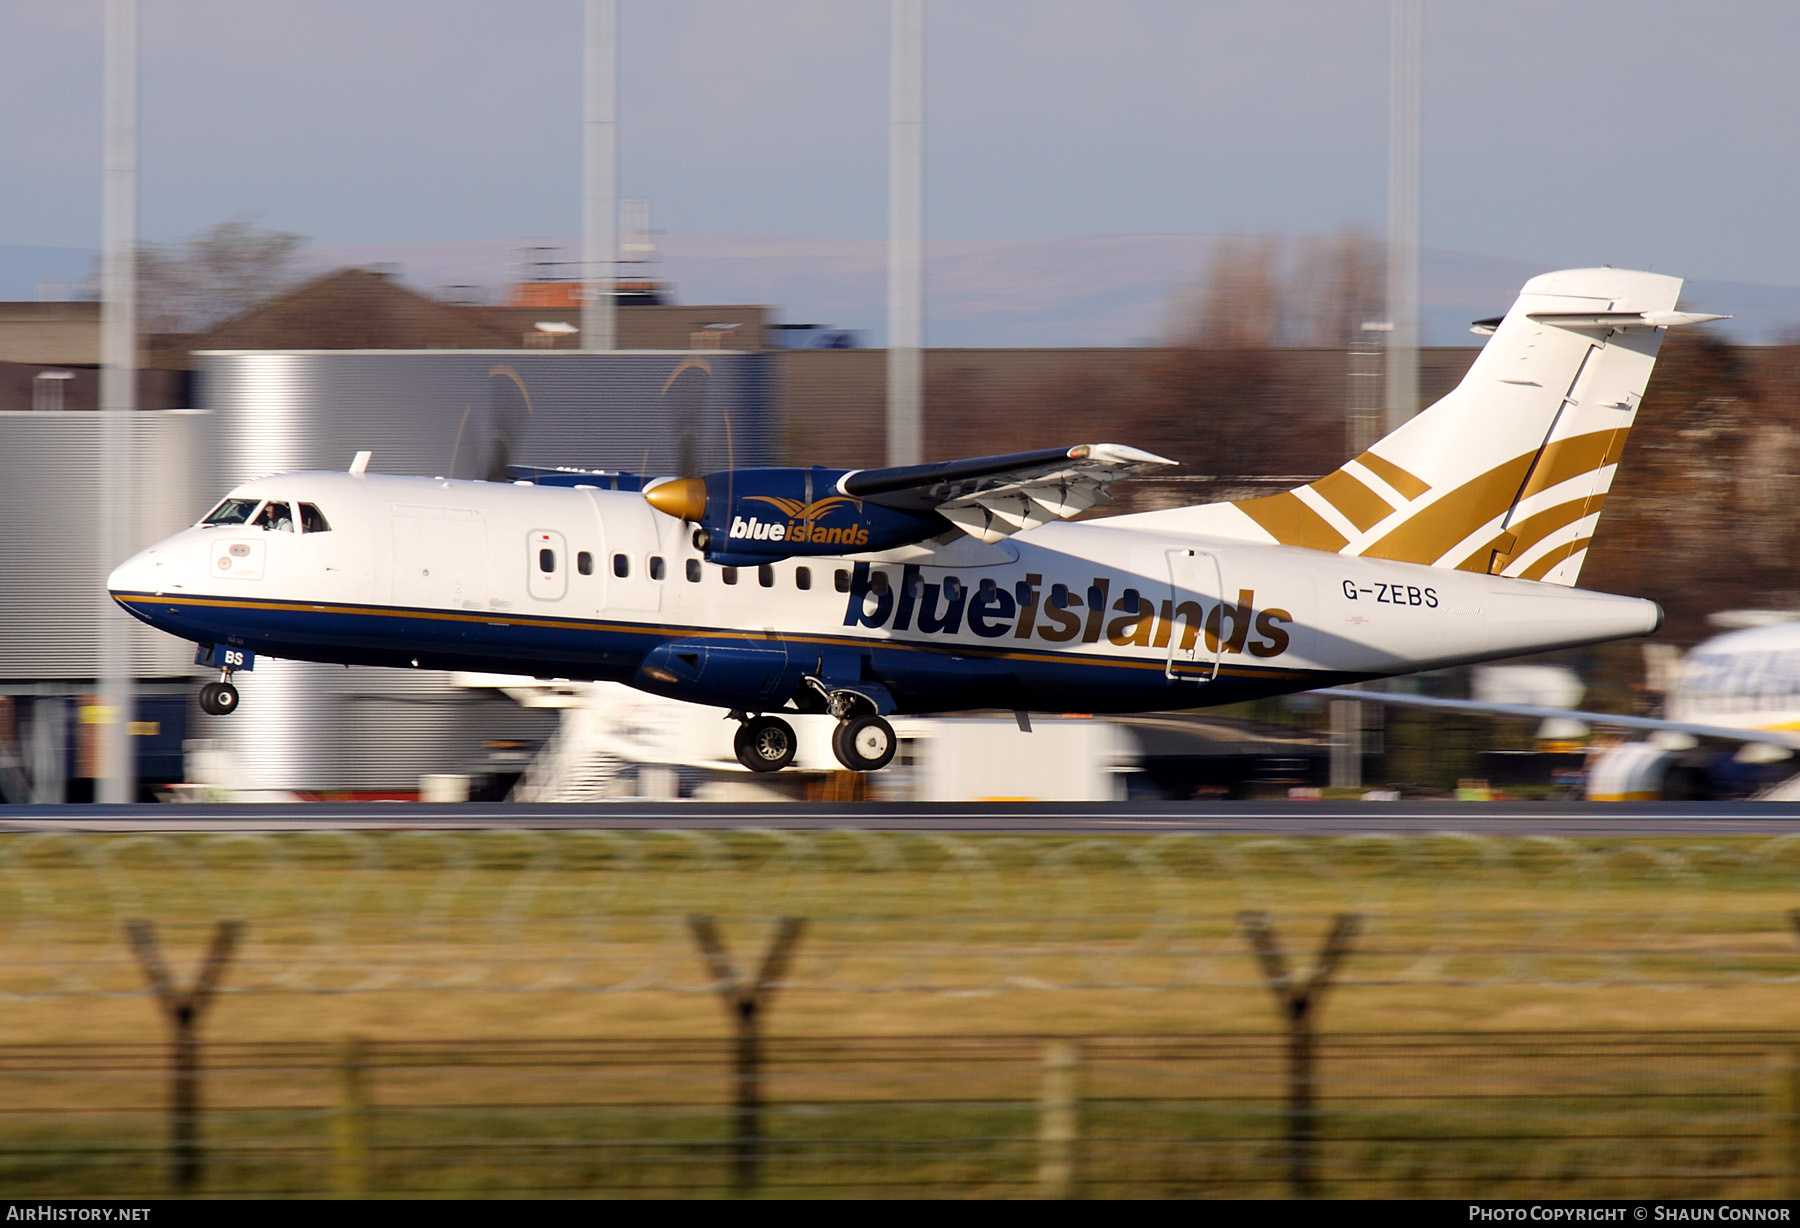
(1196, 587)
(547, 565)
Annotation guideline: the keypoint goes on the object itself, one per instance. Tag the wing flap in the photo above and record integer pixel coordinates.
(993, 497)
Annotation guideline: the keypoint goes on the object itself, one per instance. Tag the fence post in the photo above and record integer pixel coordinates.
(350, 1126)
(1295, 995)
(744, 1002)
(1058, 1120)
(183, 1009)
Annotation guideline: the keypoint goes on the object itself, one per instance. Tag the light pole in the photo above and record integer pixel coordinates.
(115, 770)
(906, 235)
(1405, 54)
(600, 176)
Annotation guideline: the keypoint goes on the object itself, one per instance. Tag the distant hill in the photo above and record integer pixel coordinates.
(1104, 290)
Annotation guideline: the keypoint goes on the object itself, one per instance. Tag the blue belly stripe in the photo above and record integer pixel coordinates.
(924, 676)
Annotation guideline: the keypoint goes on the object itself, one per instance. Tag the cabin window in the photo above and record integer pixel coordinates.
(656, 567)
(546, 560)
(1059, 596)
(1132, 601)
(988, 588)
(841, 580)
(802, 578)
(231, 511)
(765, 576)
(584, 563)
(312, 520)
(693, 571)
(728, 574)
(621, 566)
(953, 588)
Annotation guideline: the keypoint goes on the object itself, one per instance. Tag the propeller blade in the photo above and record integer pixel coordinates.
(509, 422)
(685, 395)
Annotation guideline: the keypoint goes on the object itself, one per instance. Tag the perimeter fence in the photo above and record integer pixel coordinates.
(476, 938)
(1422, 1115)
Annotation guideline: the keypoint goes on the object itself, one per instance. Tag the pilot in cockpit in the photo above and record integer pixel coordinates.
(274, 516)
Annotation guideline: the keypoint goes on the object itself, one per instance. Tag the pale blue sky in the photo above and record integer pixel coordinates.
(1651, 134)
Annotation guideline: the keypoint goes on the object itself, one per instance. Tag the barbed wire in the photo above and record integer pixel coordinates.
(336, 912)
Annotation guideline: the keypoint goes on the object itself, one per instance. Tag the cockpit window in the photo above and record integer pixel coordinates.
(312, 520)
(231, 511)
(276, 516)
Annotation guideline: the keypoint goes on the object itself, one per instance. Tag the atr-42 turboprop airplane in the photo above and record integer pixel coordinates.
(938, 587)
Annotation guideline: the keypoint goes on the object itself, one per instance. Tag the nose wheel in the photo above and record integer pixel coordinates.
(864, 743)
(765, 743)
(218, 699)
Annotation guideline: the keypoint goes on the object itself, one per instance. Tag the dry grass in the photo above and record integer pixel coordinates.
(413, 937)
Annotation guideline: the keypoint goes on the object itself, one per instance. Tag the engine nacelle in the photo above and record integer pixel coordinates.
(744, 517)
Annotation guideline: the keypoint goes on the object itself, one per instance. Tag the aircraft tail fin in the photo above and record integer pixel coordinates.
(1508, 473)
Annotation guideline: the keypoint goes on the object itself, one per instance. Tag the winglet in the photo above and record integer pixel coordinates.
(360, 465)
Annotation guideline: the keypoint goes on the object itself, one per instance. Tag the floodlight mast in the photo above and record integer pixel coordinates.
(115, 769)
(600, 177)
(1405, 50)
(906, 230)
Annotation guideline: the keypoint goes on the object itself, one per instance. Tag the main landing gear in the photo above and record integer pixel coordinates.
(863, 743)
(219, 698)
(764, 743)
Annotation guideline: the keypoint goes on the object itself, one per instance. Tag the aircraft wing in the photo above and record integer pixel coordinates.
(992, 497)
(1787, 738)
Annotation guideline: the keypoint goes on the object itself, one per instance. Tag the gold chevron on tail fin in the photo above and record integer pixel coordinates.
(1509, 472)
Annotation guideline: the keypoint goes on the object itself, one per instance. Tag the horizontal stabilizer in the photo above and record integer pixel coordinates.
(1621, 319)
(1603, 319)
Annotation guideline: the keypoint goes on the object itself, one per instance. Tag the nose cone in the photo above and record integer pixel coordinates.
(135, 575)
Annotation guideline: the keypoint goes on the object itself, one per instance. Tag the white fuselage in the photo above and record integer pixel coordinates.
(592, 583)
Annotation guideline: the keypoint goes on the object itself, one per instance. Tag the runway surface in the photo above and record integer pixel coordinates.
(1243, 818)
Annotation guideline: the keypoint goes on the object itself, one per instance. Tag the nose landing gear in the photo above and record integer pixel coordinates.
(218, 699)
(221, 698)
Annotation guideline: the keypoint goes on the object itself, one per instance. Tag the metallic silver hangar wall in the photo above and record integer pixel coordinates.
(52, 580)
(438, 412)
(451, 413)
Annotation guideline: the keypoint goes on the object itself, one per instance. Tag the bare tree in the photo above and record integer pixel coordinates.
(1336, 284)
(1242, 303)
(191, 284)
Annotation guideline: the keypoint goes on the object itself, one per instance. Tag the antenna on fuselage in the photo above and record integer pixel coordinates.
(360, 464)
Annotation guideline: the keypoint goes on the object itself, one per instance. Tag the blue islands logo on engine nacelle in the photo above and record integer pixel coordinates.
(802, 525)
(751, 516)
